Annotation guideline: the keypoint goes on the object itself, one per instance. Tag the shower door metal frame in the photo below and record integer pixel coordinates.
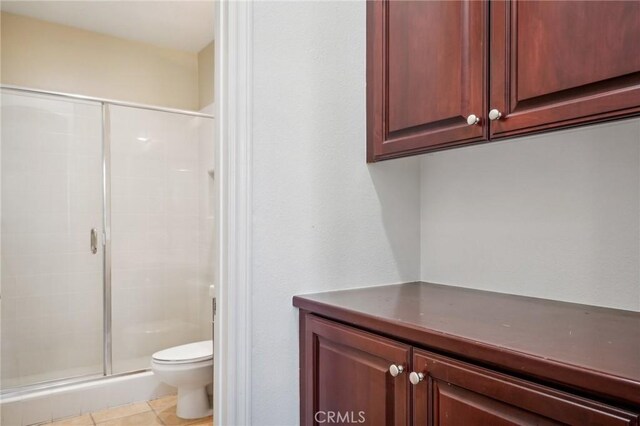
(106, 101)
(107, 356)
(107, 360)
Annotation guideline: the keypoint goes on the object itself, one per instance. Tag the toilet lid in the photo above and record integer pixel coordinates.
(191, 352)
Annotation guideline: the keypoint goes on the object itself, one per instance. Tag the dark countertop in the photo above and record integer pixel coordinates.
(592, 349)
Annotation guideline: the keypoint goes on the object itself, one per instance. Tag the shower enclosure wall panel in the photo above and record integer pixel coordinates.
(52, 283)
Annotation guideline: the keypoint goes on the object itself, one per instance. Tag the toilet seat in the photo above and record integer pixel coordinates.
(185, 354)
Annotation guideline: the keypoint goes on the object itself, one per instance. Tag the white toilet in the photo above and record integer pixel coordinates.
(190, 369)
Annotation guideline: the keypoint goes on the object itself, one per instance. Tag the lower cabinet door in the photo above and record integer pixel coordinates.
(453, 393)
(346, 378)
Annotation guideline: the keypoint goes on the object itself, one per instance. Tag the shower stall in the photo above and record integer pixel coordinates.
(106, 236)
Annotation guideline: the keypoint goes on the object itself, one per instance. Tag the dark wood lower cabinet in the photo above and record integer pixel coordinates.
(346, 378)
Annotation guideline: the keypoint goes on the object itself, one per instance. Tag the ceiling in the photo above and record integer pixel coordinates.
(179, 24)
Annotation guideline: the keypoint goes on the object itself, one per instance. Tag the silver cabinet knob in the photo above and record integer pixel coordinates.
(394, 370)
(416, 378)
(473, 119)
(494, 114)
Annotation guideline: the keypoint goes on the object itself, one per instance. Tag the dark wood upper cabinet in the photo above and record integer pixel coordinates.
(347, 375)
(562, 63)
(426, 74)
(541, 65)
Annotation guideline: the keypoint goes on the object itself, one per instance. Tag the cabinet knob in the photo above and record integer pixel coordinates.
(416, 378)
(394, 370)
(494, 114)
(473, 119)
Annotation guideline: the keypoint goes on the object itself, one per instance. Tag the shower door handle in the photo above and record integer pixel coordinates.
(94, 240)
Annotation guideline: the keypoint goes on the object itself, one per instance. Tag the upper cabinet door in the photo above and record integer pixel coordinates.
(562, 63)
(426, 75)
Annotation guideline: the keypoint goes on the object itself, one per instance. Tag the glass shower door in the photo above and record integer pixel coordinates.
(52, 265)
(159, 280)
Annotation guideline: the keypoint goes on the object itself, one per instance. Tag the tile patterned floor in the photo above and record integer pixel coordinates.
(159, 412)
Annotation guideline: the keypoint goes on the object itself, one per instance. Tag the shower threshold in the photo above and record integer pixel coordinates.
(19, 391)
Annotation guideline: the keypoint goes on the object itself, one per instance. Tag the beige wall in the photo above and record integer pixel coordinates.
(205, 75)
(49, 56)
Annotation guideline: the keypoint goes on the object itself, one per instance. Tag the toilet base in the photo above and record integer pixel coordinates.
(193, 402)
